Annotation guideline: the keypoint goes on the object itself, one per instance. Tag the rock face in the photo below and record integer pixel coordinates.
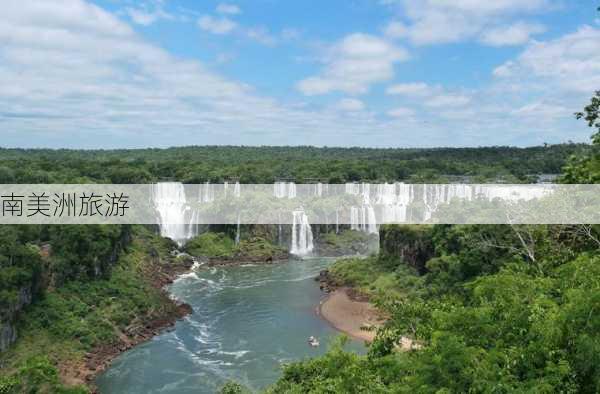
(8, 331)
(409, 243)
(8, 335)
(25, 295)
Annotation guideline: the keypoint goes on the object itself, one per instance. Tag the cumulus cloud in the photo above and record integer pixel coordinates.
(569, 63)
(541, 111)
(448, 100)
(223, 25)
(350, 105)
(231, 9)
(515, 34)
(354, 64)
(418, 89)
(401, 112)
(148, 12)
(73, 74)
(216, 25)
(446, 21)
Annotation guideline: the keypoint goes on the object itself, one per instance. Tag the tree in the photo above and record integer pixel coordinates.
(586, 169)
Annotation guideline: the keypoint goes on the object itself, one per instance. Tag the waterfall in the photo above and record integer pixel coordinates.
(284, 189)
(237, 190)
(302, 238)
(209, 193)
(371, 224)
(171, 206)
(237, 231)
(318, 189)
(279, 230)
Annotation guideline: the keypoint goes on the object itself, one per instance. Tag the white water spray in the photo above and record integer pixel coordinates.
(302, 237)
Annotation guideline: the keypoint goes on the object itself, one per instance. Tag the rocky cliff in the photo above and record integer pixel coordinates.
(410, 244)
(8, 316)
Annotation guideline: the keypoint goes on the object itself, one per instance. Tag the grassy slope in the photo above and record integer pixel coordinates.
(220, 246)
(56, 333)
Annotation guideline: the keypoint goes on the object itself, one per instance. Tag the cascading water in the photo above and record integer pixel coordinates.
(237, 232)
(171, 205)
(390, 203)
(284, 190)
(209, 193)
(302, 237)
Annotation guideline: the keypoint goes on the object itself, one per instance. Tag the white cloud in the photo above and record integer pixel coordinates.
(516, 34)
(396, 29)
(216, 25)
(150, 11)
(230, 9)
(447, 21)
(223, 25)
(541, 111)
(448, 100)
(354, 64)
(401, 112)
(261, 35)
(350, 105)
(418, 89)
(73, 74)
(569, 63)
(429, 96)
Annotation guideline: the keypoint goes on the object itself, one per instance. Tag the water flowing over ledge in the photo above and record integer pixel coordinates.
(181, 208)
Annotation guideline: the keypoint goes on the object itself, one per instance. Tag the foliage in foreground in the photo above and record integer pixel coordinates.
(488, 317)
(67, 322)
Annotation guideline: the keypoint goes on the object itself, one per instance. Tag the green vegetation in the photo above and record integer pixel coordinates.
(495, 308)
(234, 388)
(348, 242)
(197, 164)
(211, 245)
(492, 314)
(586, 168)
(67, 322)
(221, 246)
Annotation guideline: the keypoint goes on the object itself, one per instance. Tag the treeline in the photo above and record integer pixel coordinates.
(198, 164)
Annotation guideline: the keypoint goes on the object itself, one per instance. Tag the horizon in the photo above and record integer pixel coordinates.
(399, 148)
(124, 74)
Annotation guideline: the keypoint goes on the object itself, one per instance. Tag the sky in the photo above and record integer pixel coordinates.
(376, 73)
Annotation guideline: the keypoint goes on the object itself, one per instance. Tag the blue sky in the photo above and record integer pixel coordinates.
(387, 73)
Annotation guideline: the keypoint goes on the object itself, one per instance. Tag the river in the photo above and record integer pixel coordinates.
(247, 321)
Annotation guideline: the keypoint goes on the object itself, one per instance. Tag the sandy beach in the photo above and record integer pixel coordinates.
(348, 316)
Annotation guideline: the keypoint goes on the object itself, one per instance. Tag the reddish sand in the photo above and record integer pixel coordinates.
(349, 316)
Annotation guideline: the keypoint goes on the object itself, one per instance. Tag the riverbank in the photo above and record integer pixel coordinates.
(73, 332)
(140, 330)
(350, 311)
(350, 316)
(247, 321)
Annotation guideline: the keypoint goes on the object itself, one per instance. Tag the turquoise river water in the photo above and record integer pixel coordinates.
(247, 321)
